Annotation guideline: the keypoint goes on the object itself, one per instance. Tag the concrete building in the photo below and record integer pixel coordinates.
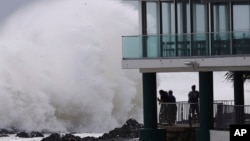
(200, 36)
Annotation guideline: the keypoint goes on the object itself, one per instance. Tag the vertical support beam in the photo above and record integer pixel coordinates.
(239, 97)
(206, 105)
(149, 100)
(238, 88)
(150, 131)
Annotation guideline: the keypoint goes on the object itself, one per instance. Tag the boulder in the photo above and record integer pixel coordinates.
(29, 134)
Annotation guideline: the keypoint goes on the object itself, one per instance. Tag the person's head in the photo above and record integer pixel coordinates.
(161, 92)
(193, 87)
(170, 92)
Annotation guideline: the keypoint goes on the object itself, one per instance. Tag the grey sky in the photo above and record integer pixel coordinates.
(9, 6)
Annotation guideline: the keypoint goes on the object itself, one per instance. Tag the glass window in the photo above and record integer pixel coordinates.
(241, 26)
(151, 17)
(199, 18)
(220, 44)
(241, 17)
(221, 22)
(183, 15)
(152, 41)
(168, 25)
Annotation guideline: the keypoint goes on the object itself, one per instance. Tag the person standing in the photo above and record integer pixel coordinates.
(163, 108)
(193, 99)
(172, 108)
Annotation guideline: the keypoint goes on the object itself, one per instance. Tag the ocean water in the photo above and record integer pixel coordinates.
(61, 67)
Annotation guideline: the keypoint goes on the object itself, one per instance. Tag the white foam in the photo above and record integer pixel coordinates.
(61, 67)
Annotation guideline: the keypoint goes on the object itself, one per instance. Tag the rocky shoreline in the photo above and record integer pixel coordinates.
(127, 132)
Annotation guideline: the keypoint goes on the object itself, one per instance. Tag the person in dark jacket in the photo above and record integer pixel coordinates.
(163, 108)
(193, 99)
(172, 108)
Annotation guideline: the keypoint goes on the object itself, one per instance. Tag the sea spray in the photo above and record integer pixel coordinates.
(61, 67)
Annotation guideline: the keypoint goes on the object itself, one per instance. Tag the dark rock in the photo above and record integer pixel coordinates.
(3, 135)
(128, 130)
(52, 137)
(58, 137)
(70, 137)
(89, 139)
(5, 131)
(36, 134)
(29, 135)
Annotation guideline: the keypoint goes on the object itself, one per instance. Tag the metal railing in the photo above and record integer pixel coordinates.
(231, 114)
(174, 113)
(179, 113)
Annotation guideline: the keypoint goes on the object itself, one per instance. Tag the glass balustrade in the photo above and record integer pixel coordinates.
(186, 45)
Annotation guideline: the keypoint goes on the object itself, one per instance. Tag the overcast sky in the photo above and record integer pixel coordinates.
(8, 6)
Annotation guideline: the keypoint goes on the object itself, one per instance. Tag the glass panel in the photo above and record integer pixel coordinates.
(220, 43)
(220, 18)
(183, 15)
(183, 44)
(168, 25)
(183, 40)
(132, 47)
(241, 17)
(168, 45)
(199, 18)
(152, 44)
(179, 18)
(152, 41)
(200, 44)
(151, 17)
(241, 42)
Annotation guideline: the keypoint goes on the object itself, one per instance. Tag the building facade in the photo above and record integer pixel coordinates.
(189, 36)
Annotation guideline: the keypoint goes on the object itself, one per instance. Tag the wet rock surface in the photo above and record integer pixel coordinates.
(128, 131)
(29, 134)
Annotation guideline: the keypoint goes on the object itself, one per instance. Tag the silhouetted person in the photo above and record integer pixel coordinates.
(163, 108)
(172, 107)
(193, 99)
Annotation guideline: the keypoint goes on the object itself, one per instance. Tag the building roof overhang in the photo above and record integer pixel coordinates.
(227, 63)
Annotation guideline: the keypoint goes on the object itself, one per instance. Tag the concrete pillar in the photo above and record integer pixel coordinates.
(150, 132)
(206, 105)
(239, 97)
(238, 88)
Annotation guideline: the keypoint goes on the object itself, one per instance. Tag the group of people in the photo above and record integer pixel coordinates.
(168, 107)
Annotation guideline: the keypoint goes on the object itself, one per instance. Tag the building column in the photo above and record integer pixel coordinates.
(239, 97)
(206, 105)
(150, 132)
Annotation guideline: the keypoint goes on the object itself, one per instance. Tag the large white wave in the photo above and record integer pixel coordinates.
(61, 66)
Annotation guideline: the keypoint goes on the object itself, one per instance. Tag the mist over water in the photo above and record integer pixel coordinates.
(61, 67)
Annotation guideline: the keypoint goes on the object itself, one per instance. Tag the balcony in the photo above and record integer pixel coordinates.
(197, 48)
(186, 45)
